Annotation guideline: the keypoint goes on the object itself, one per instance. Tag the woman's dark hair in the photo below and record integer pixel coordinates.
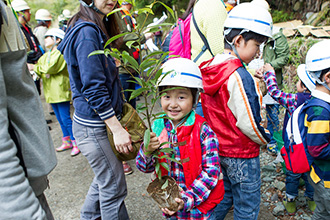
(108, 25)
(246, 36)
(188, 10)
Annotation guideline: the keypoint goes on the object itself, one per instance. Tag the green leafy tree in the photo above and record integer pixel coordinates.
(149, 75)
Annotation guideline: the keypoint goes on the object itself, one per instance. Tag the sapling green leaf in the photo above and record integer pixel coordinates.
(146, 139)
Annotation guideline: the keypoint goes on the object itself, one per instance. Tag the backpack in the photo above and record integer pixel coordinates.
(295, 153)
(178, 40)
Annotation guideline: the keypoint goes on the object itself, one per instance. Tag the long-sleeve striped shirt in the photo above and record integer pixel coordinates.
(287, 100)
(318, 136)
(200, 189)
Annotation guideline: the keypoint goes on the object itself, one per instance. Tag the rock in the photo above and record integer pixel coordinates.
(279, 209)
(279, 185)
(309, 14)
(325, 5)
(268, 168)
(267, 179)
(274, 197)
(311, 18)
(296, 6)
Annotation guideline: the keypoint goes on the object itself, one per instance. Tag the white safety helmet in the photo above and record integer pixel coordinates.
(61, 18)
(317, 60)
(55, 32)
(250, 17)
(262, 3)
(305, 77)
(67, 13)
(318, 56)
(43, 15)
(182, 72)
(19, 5)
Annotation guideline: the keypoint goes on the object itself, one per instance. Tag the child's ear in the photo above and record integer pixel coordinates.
(327, 77)
(238, 40)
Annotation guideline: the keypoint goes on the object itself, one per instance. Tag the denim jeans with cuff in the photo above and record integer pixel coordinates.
(292, 184)
(242, 188)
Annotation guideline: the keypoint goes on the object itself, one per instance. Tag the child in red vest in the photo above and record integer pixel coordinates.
(199, 174)
(232, 106)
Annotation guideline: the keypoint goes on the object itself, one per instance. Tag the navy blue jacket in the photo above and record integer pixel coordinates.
(94, 80)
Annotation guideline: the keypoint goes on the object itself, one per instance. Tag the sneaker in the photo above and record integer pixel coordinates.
(127, 168)
(290, 205)
(272, 149)
(311, 204)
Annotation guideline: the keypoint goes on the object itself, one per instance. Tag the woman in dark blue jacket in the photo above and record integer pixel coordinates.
(98, 101)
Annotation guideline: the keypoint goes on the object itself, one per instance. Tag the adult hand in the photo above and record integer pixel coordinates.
(181, 205)
(121, 137)
(122, 140)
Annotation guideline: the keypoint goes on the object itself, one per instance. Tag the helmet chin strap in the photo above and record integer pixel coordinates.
(323, 84)
(92, 6)
(316, 76)
(232, 44)
(196, 100)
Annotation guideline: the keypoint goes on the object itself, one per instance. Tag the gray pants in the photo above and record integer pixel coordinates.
(322, 200)
(105, 197)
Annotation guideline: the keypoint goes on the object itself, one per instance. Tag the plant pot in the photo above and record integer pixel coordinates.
(165, 197)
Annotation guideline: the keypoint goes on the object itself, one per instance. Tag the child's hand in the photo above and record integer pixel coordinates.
(267, 67)
(153, 145)
(259, 73)
(181, 205)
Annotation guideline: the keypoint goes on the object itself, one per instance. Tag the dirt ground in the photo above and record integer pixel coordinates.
(70, 180)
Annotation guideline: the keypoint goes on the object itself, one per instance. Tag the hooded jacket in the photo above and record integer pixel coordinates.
(51, 67)
(232, 106)
(94, 80)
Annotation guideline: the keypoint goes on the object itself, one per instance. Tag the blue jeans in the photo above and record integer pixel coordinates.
(124, 79)
(106, 194)
(292, 184)
(242, 188)
(62, 113)
(272, 120)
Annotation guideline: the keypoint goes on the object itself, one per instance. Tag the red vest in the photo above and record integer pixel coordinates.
(191, 159)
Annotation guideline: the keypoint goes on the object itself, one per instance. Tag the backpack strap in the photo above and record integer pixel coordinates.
(206, 44)
(292, 128)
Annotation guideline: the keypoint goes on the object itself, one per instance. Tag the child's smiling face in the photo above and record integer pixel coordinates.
(177, 103)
